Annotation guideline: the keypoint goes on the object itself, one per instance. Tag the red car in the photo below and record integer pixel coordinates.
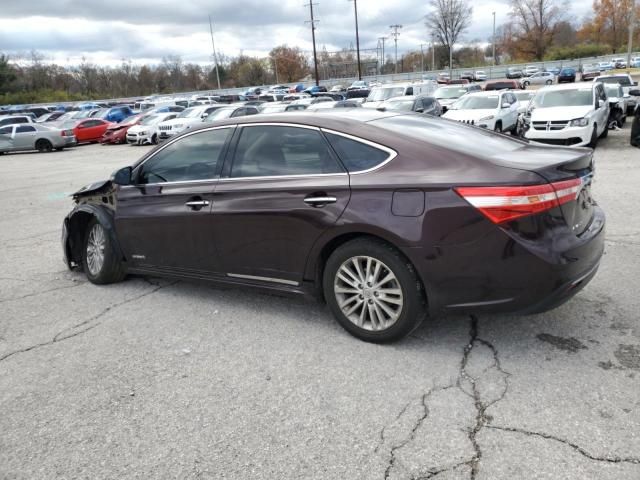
(90, 129)
(117, 132)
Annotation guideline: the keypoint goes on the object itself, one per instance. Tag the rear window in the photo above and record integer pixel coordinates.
(449, 134)
(624, 81)
(355, 155)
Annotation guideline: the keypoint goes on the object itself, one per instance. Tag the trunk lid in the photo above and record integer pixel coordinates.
(557, 164)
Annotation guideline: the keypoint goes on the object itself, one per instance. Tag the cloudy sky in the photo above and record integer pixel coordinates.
(144, 31)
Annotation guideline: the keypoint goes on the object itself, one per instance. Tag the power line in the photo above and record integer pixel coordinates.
(313, 38)
(395, 34)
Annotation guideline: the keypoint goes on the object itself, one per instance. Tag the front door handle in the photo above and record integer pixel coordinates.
(197, 204)
(320, 201)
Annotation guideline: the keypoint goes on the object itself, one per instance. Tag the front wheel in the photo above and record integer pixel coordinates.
(525, 84)
(154, 139)
(594, 138)
(99, 260)
(498, 127)
(373, 291)
(549, 82)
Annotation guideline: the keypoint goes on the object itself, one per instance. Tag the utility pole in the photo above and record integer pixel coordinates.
(433, 51)
(632, 19)
(275, 64)
(422, 56)
(382, 39)
(215, 57)
(355, 10)
(313, 38)
(395, 34)
(493, 39)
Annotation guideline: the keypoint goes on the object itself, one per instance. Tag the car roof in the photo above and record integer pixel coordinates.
(489, 93)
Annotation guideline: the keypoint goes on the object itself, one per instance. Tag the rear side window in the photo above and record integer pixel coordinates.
(25, 128)
(6, 130)
(355, 155)
(194, 157)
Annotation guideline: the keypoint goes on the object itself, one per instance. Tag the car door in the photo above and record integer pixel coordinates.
(24, 137)
(6, 138)
(82, 130)
(282, 188)
(513, 109)
(602, 112)
(163, 220)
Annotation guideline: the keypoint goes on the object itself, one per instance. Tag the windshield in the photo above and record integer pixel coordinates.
(449, 92)
(220, 113)
(612, 91)
(477, 103)
(399, 104)
(189, 113)
(621, 80)
(379, 94)
(151, 120)
(563, 98)
(524, 96)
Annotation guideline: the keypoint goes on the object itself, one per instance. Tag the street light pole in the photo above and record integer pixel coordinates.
(632, 20)
(493, 39)
(215, 57)
(395, 34)
(355, 10)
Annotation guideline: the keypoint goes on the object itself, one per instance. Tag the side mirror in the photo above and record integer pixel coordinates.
(635, 92)
(122, 176)
(635, 84)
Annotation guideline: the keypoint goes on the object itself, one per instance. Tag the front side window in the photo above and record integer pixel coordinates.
(194, 157)
(267, 150)
(356, 156)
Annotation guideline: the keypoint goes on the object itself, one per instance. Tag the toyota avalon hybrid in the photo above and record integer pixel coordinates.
(385, 216)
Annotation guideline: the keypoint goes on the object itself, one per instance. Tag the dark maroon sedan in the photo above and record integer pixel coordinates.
(385, 216)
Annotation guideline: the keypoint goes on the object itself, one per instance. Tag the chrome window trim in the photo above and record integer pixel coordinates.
(171, 142)
(263, 279)
(392, 153)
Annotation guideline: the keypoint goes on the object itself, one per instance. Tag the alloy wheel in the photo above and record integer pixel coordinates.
(96, 245)
(368, 293)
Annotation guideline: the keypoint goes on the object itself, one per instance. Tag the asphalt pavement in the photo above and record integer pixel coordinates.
(151, 378)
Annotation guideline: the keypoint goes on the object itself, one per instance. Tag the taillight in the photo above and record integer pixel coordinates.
(503, 204)
(64, 133)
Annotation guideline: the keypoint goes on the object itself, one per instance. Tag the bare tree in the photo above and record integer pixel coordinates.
(448, 20)
(535, 23)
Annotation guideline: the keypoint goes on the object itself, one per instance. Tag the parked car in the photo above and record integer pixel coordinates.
(117, 114)
(49, 117)
(13, 119)
(605, 66)
(281, 107)
(292, 211)
(297, 88)
(540, 78)
(458, 81)
(231, 111)
(383, 92)
(619, 62)
(617, 104)
(573, 114)
(357, 85)
(589, 72)
(34, 136)
(468, 75)
(553, 70)
(90, 130)
(336, 104)
(117, 132)
(479, 76)
(496, 111)
(316, 89)
(338, 88)
(252, 93)
(502, 84)
(634, 137)
(443, 78)
(231, 98)
(190, 116)
(413, 103)
(635, 62)
(450, 94)
(310, 101)
(627, 83)
(146, 131)
(514, 72)
(530, 70)
(567, 75)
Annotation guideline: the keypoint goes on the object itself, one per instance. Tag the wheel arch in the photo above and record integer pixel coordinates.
(324, 247)
(75, 230)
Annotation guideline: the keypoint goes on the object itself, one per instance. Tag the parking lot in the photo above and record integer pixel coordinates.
(152, 378)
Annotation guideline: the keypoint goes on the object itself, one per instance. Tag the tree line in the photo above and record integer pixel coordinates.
(537, 30)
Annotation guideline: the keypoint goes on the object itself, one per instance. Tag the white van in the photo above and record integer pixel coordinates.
(383, 92)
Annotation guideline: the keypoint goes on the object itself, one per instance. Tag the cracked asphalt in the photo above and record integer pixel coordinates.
(151, 378)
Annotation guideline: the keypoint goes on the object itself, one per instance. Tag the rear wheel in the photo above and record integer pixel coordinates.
(373, 291)
(99, 260)
(44, 145)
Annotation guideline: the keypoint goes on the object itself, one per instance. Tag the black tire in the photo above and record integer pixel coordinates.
(112, 269)
(44, 145)
(525, 84)
(154, 139)
(622, 121)
(549, 82)
(59, 149)
(605, 133)
(413, 309)
(594, 138)
(498, 127)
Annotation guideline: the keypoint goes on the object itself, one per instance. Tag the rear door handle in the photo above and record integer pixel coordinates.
(320, 201)
(197, 204)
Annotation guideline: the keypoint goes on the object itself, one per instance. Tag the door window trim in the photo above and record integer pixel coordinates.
(173, 140)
